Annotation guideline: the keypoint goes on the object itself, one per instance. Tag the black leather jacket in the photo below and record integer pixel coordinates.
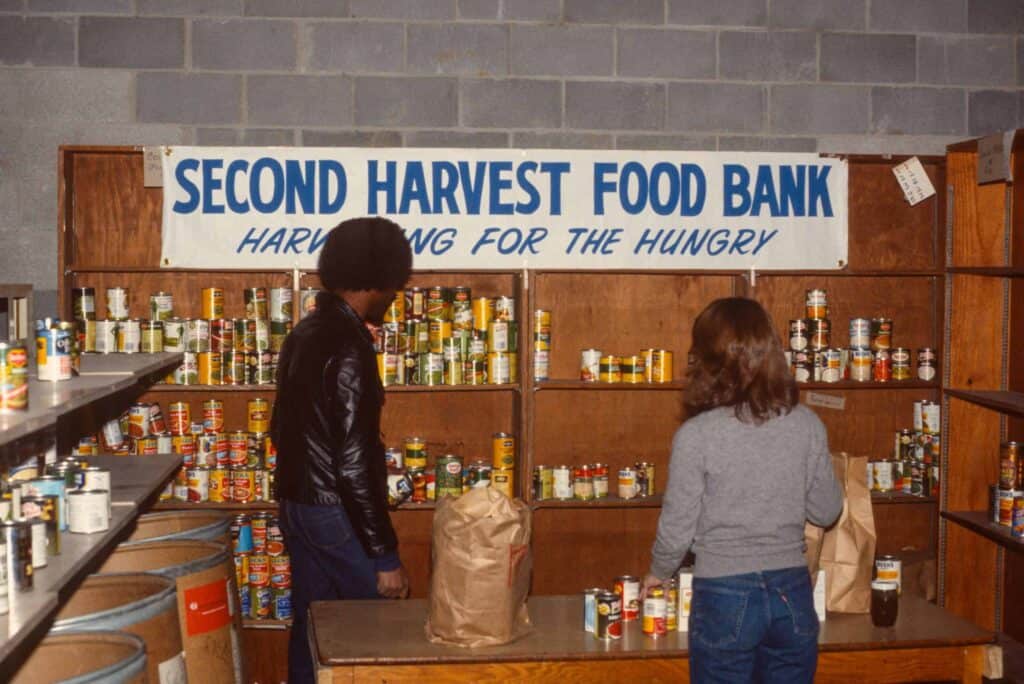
(326, 421)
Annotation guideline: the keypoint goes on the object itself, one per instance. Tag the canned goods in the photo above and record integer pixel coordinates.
(583, 483)
(260, 600)
(599, 472)
(503, 450)
(561, 482)
(816, 304)
(931, 421)
(627, 483)
(180, 416)
(541, 365)
(188, 372)
(245, 335)
(861, 365)
(501, 368)
(129, 336)
(212, 299)
(139, 420)
(415, 452)
(926, 364)
(278, 331)
(255, 299)
(881, 333)
(820, 333)
(883, 475)
(655, 615)
(395, 312)
(483, 313)
(590, 365)
(13, 377)
(18, 542)
(238, 447)
(161, 306)
(609, 616)
(660, 366)
(282, 603)
(900, 357)
(590, 609)
(243, 484)
(106, 336)
(1009, 464)
(88, 511)
(448, 476)
(860, 333)
(1005, 499)
(672, 606)
(198, 484)
(609, 369)
(210, 372)
(645, 478)
(53, 352)
(220, 484)
(258, 415)
(1017, 521)
(233, 368)
(307, 301)
(213, 415)
(83, 303)
(197, 335)
(222, 335)
(628, 589)
(543, 482)
(503, 479)
(117, 303)
(831, 365)
(798, 334)
(174, 335)
(889, 569)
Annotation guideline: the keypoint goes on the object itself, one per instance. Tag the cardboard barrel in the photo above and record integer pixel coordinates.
(86, 658)
(171, 525)
(208, 617)
(141, 604)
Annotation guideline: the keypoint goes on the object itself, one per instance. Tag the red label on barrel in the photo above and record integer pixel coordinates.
(206, 608)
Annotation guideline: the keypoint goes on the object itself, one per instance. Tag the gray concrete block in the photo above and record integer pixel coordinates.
(532, 10)
(44, 303)
(918, 16)
(190, 8)
(828, 15)
(353, 47)
(471, 49)
(718, 13)
(403, 9)
(811, 109)
(918, 111)
(136, 43)
(617, 106)
(66, 95)
(510, 103)
(12, 5)
(39, 41)
(351, 138)
(966, 60)
(419, 102)
(639, 141)
(666, 53)
(995, 16)
(716, 107)
(526, 140)
(1020, 61)
(615, 11)
(868, 58)
(189, 98)
(464, 139)
(991, 111)
(243, 44)
(299, 100)
(560, 50)
(886, 144)
(768, 55)
(479, 9)
(82, 6)
(747, 143)
(257, 137)
(36, 263)
(297, 8)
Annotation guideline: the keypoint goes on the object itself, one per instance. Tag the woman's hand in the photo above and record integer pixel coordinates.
(650, 581)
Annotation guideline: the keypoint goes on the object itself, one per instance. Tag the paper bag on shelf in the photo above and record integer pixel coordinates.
(847, 548)
(481, 570)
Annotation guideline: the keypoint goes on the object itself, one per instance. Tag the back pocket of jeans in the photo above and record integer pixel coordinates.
(718, 617)
(800, 601)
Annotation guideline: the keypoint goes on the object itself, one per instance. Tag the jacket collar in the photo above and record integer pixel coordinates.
(331, 305)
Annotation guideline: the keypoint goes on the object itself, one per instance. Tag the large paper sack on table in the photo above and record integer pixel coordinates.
(846, 550)
(481, 574)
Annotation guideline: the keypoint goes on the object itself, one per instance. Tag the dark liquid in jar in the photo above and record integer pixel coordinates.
(885, 606)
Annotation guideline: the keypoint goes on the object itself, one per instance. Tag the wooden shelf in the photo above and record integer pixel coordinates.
(163, 387)
(675, 385)
(452, 388)
(1004, 402)
(901, 498)
(258, 506)
(853, 385)
(249, 623)
(978, 521)
(993, 271)
(607, 502)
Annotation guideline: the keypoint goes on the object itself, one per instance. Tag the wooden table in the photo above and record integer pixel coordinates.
(376, 641)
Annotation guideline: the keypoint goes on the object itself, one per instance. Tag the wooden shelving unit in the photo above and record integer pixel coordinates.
(979, 522)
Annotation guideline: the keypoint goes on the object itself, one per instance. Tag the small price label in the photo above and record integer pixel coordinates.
(152, 167)
(829, 401)
(913, 180)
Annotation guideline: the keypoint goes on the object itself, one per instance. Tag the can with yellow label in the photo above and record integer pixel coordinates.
(210, 368)
(503, 450)
(258, 415)
(503, 479)
(213, 302)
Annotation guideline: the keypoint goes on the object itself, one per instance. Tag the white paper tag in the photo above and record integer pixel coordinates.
(152, 168)
(913, 180)
(828, 401)
(172, 670)
(819, 595)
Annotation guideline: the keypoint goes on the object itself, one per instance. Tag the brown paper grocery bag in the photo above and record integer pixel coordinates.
(848, 547)
(481, 570)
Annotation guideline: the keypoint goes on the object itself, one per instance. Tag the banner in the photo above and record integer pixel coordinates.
(230, 207)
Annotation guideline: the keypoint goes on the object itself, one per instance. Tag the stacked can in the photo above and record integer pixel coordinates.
(541, 345)
(592, 481)
(1008, 494)
(410, 478)
(650, 365)
(913, 467)
(13, 378)
(57, 350)
(443, 336)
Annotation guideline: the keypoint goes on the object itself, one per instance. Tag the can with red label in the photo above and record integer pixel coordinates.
(180, 414)
(238, 447)
(655, 613)
(198, 484)
(260, 522)
(628, 588)
(213, 415)
(609, 616)
(243, 485)
(882, 366)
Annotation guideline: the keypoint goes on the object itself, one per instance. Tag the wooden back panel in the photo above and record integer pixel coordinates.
(979, 214)
(975, 338)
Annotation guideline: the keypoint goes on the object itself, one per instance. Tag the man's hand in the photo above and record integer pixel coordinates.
(650, 581)
(393, 584)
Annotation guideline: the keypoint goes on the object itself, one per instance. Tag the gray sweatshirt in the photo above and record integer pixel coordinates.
(739, 493)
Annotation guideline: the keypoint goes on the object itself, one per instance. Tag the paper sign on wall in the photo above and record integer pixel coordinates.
(152, 167)
(913, 180)
(994, 157)
(230, 207)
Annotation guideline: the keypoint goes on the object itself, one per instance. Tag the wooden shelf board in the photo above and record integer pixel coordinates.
(1004, 402)
(993, 271)
(978, 521)
(606, 386)
(901, 498)
(257, 506)
(212, 388)
(250, 623)
(853, 385)
(607, 502)
(508, 387)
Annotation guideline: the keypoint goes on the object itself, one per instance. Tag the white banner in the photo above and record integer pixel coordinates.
(230, 207)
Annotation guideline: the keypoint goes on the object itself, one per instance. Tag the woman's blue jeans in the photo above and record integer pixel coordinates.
(756, 627)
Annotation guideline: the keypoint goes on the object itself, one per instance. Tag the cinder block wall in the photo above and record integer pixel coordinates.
(794, 75)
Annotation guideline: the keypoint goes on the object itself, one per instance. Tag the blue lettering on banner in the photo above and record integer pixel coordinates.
(666, 189)
(511, 240)
(437, 240)
(684, 241)
(798, 191)
(282, 240)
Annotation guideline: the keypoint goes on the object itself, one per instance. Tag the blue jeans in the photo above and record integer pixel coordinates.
(757, 627)
(328, 563)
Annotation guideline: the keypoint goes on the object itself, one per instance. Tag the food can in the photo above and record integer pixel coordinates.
(541, 365)
(430, 368)
(117, 303)
(931, 418)
(395, 312)
(860, 333)
(820, 333)
(890, 569)
(414, 305)
(672, 605)
(197, 335)
(590, 608)
(633, 369)
(609, 369)
(261, 334)
(129, 336)
(212, 299)
(241, 537)
(415, 452)
(609, 616)
(655, 615)
(926, 364)
(161, 306)
(213, 415)
(561, 482)
(278, 332)
(503, 450)
(660, 369)
(210, 371)
(243, 484)
(590, 365)
(831, 365)
(685, 593)
(542, 327)
(500, 368)
(504, 308)
(179, 414)
(222, 335)
(448, 476)
(307, 301)
(95, 477)
(394, 458)
(106, 336)
(39, 534)
(258, 415)
(83, 303)
(498, 336)
(13, 377)
(647, 479)
(600, 474)
(238, 447)
(798, 334)
(87, 335)
(543, 482)
(188, 372)
(233, 368)
(503, 479)
(53, 352)
(583, 483)
(881, 369)
(255, 299)
(628, 588)
(861, 363)
(88, 511)
(282, 598)
(816, 304)
(174, 335)
(220, 485)
(883, 475)
(198, 484)
(280, 304)
(1009, 464)
(881, 333)
(139, 417)
(260, 523)
(627, 483)
(900, 363)
(483, 313)
(245, 334)
(18, 542)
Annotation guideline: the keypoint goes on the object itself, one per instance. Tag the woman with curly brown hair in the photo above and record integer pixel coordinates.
(749, 466)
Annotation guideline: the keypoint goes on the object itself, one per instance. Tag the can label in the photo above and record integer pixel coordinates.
(655, 614)
(628, 588)
(609, 616)
(889, 568)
